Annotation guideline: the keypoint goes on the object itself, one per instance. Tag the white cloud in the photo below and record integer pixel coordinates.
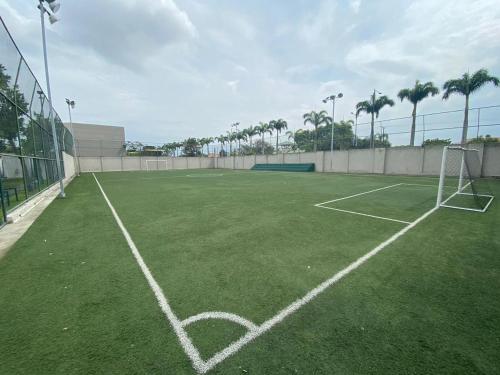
(233, 85)
(147, 64)
(127, 32)
(355, 5)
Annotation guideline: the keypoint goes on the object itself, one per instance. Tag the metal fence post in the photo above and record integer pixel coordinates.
(478, 118)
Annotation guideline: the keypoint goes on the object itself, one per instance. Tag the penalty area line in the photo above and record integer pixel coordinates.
(359, 194)
(287, 311)
(362, 214)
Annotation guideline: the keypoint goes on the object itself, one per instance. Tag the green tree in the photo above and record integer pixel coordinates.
(343, 135)
(373, 107)
(270, 131)
(466, 86)
(436, 141)
(191, 147)
(316, 119)
(232, 138)
(205, 142)
(11, 119)
(278, 125)
(415, 95)
(169, 148)
(240, 136)
(222, 139)
(262, 129)
(486, 139)
(250, 132)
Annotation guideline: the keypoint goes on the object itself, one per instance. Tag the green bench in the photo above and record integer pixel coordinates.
(291, 167)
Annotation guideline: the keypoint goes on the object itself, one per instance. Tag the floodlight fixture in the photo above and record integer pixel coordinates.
(54, 6)
(53, 19)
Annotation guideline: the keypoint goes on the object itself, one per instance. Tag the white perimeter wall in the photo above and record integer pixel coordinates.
(69, 166)
(396, 160)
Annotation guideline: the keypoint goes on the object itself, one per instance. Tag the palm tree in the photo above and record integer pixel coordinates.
(316, 119)
(373, 107)
(222, 140)
(270, 130)
(250, 132)
(202, 142)
(261, 130)
(208, 141)
(240, 136)
(466, 86)
(415, 95)
(278, 125)
(231, 137)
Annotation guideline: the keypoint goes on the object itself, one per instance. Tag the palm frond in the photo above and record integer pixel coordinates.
(455, 86)
(404, 94)
(480, 78)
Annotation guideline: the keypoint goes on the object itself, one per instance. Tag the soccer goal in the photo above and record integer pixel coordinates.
(460, 183)
(156, 165)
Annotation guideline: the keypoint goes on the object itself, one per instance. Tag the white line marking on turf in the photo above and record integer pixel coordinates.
(185, 341)
(357, 195)
(268, 324)
(434, 186)
(191, 351)
(362, 214)
(220, 315)
(205, 175)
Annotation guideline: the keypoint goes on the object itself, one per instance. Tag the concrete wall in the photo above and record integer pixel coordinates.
(491, 160)
(98, 140)
(415, 161)
(69, 166)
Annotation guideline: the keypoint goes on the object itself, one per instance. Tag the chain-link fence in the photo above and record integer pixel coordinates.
(27, 149)
(437, 128)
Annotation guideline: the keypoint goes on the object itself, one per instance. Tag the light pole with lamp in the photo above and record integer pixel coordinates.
(356, 115)
(332, 99)
(54, 7)
(372, 135)
(235, 125)
(71, 105)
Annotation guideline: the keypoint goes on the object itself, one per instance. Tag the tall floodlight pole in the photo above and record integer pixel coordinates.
(235, 125)
(54, 6)
(356, 115)
(332, 99)
(71, 105)
(372, 135)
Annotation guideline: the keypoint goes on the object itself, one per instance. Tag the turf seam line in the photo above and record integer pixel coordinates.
(362, 214)
(268, 324)
(176, 324)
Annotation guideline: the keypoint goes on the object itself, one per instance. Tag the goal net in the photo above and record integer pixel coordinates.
(460, 183)
(156, 165)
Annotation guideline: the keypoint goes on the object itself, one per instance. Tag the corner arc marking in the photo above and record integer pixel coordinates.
(222, 316)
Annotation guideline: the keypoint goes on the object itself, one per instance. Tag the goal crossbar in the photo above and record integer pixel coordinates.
(464, 164)
(156, 163)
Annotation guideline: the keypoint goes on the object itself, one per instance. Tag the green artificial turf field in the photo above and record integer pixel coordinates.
(255, 252)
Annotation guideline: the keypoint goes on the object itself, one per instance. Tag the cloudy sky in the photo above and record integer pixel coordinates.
(167, 70)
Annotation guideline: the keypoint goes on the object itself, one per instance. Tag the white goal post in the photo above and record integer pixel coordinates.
(461, 185)
(157, 165)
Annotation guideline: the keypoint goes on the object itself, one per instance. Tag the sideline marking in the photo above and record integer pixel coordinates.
(191, 351)
(362, 214)
(181, 333)
(357, 195)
